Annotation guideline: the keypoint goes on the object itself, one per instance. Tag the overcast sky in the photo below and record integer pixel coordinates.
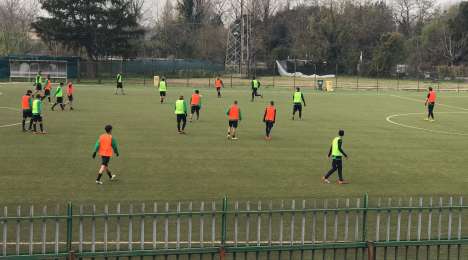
(154, 7)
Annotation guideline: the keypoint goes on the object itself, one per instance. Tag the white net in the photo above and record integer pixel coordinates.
(282, 69)
(28, 69)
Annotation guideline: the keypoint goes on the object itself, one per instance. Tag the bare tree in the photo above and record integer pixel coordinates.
(405, 15)
(15, 25)
(410, 15)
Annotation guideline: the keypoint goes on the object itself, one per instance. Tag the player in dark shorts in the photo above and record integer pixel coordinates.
(26, 105)
(298, 99)
(195, 104)
(119, 84)
(234, 116)
(47, 88)
(38, 83)
(105, 146)
(36, 114)
(162, 89)
(70, 91)
(59, 97)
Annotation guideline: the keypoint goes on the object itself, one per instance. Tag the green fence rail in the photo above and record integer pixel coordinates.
(347, 228)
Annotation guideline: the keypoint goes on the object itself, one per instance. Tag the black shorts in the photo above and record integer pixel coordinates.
(181, 117)
(70, 98)
(27, 113)
(38, 86)
(47, 92)
(59, 100)
(105, 160)
(119, 85)
(431, 106)
(37, 118)
(297, 107)
(195, 109)
(233, 123)
(162, 93)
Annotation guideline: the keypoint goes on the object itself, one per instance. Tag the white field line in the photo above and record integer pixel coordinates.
(420, 101)
(9, 125)
(12, 83)
(389, 119)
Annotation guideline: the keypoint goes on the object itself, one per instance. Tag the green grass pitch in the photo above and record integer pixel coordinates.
(409, 157)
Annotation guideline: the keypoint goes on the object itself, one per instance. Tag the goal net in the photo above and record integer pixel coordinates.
(28, 69)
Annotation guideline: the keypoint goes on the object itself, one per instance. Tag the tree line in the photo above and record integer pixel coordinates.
(370, 37)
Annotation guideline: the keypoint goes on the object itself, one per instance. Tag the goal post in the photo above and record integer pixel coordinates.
(28, 69)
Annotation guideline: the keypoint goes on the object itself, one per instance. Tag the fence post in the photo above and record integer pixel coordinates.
(223, 221)
(69, 226)
(370, 251)
(222, 252)
(364, 217)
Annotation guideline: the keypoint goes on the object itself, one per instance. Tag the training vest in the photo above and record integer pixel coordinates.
(195, 99)
(36, 107)
(48, 85)
(270, 113)
(297, 97)
(180, 107)
(218, 83)
(335, 149)
(59, 92)
(105, 145)
(234, 113)
(432, 97)
(162, 86)
(255, 83)
(70, 90)
(119, 78)
(26, 102)
(38, 79)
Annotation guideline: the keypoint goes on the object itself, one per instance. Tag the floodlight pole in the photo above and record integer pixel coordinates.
(295, 69)
(241, 60)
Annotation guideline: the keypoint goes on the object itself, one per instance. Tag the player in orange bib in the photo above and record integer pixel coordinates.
(47, 89)
(234, 114)
(26, 106)
(105, 146)
(195, 104)
(70, 91)
(430, 103)
(218, 85)
(269, 117)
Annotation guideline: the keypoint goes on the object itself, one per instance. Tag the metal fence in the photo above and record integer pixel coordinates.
(198, 74)
(349, 228)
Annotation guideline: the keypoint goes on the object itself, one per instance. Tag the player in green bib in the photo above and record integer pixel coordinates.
(38, 83)
(255, 86)
(162, 89)
(36, 114)
(119, 84)
(59, 97)
(181, 114)
(337, 153)
(298, 99)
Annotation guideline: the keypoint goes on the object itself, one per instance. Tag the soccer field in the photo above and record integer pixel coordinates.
(393, 151)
